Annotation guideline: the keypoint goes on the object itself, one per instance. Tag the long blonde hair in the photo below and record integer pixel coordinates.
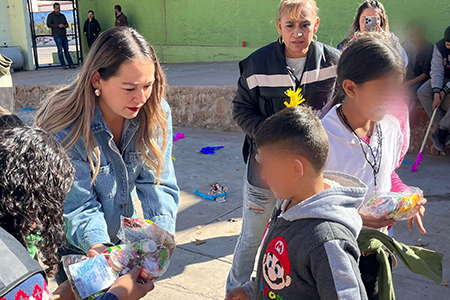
(74, 104)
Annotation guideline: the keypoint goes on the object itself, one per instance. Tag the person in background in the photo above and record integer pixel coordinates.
(58, 24)
(121, 19)
(435, 93)
(293, 69)
(373, 8)
(419, 52)
(35, 175)
(91, 28)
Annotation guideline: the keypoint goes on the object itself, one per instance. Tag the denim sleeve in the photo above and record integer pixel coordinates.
(160, 202)
(84, 221)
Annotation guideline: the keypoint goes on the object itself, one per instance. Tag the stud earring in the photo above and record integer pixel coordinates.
(97, 92)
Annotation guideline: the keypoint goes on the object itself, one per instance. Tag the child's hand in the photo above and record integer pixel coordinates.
(237, 294)
(376, 223)
(418, 217)
(130, 286)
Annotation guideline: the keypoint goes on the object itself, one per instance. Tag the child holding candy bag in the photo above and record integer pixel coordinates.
(365, 141)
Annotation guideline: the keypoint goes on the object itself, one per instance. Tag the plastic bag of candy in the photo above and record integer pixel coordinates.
(153, 244)
(397, 206)
(145, 245)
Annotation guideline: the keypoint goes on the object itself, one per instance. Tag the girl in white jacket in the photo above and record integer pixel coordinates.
(365, 141)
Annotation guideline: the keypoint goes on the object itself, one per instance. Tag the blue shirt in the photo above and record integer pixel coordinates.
(92, 211)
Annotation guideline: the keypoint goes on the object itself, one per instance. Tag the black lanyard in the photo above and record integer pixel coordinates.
(375, 153)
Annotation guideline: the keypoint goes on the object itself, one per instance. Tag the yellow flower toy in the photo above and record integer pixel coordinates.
(295, 96)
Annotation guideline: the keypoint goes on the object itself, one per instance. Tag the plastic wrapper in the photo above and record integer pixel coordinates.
(397, 206)
(144, 244)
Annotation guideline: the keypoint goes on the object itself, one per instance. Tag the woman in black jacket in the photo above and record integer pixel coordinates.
(91, 28)
(295, 61)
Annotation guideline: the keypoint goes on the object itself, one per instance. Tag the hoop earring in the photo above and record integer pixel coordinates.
(97, 92)
(315, 37)
(280, 40)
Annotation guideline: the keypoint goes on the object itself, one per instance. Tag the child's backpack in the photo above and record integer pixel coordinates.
(16, 265)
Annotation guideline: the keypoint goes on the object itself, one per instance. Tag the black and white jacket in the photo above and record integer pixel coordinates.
(265, 76)
(440, 68)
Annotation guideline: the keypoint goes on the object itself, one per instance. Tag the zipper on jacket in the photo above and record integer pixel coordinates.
(294, 80)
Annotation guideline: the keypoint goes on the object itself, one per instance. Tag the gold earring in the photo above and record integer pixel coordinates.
(97, 92)
(315, 37)
(280, 40)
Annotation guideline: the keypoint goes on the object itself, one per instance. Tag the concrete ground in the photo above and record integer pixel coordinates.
(186, 74)
(199, 272)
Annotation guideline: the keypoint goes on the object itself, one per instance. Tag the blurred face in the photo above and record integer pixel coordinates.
(415, 35)
(124, 94)
(297, 34)
(280, 170)
(447, 45)
(374, 98)
(367, 13)
(90, 15)
(57, 9)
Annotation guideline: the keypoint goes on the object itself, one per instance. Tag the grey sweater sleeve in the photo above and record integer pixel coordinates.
(437, 71)
(336, 272)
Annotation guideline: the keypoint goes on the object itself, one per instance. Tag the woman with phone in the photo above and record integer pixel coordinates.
(372, 16)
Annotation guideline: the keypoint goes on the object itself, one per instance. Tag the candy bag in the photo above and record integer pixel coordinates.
(397, 206)
(145, 245)
(88, 277)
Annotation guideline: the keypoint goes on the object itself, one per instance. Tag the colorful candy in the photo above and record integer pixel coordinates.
(145, 245)
(397, 206)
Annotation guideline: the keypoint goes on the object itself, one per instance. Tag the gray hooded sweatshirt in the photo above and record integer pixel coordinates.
(310, 251)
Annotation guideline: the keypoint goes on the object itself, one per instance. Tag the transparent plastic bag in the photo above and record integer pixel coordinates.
(397, 206)
(144, 244)
(88, 277)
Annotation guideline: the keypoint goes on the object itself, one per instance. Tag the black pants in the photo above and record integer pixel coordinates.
(369, 266)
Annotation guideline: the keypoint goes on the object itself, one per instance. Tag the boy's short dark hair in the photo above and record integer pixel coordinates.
(55, 4)
(299, 130)
(118, 7)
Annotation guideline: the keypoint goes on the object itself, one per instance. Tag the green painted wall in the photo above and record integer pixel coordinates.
(213, 30)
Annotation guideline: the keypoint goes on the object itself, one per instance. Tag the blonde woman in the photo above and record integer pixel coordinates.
(117, 130)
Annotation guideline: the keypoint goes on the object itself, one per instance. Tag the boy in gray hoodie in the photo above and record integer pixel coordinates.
(309, 248)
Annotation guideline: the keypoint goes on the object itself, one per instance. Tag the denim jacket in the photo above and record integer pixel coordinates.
(92, 211)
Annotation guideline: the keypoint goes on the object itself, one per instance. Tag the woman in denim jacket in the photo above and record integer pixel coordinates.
(117, 130)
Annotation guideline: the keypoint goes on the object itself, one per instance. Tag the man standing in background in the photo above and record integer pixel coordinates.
(58, 24)
(121, 19)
